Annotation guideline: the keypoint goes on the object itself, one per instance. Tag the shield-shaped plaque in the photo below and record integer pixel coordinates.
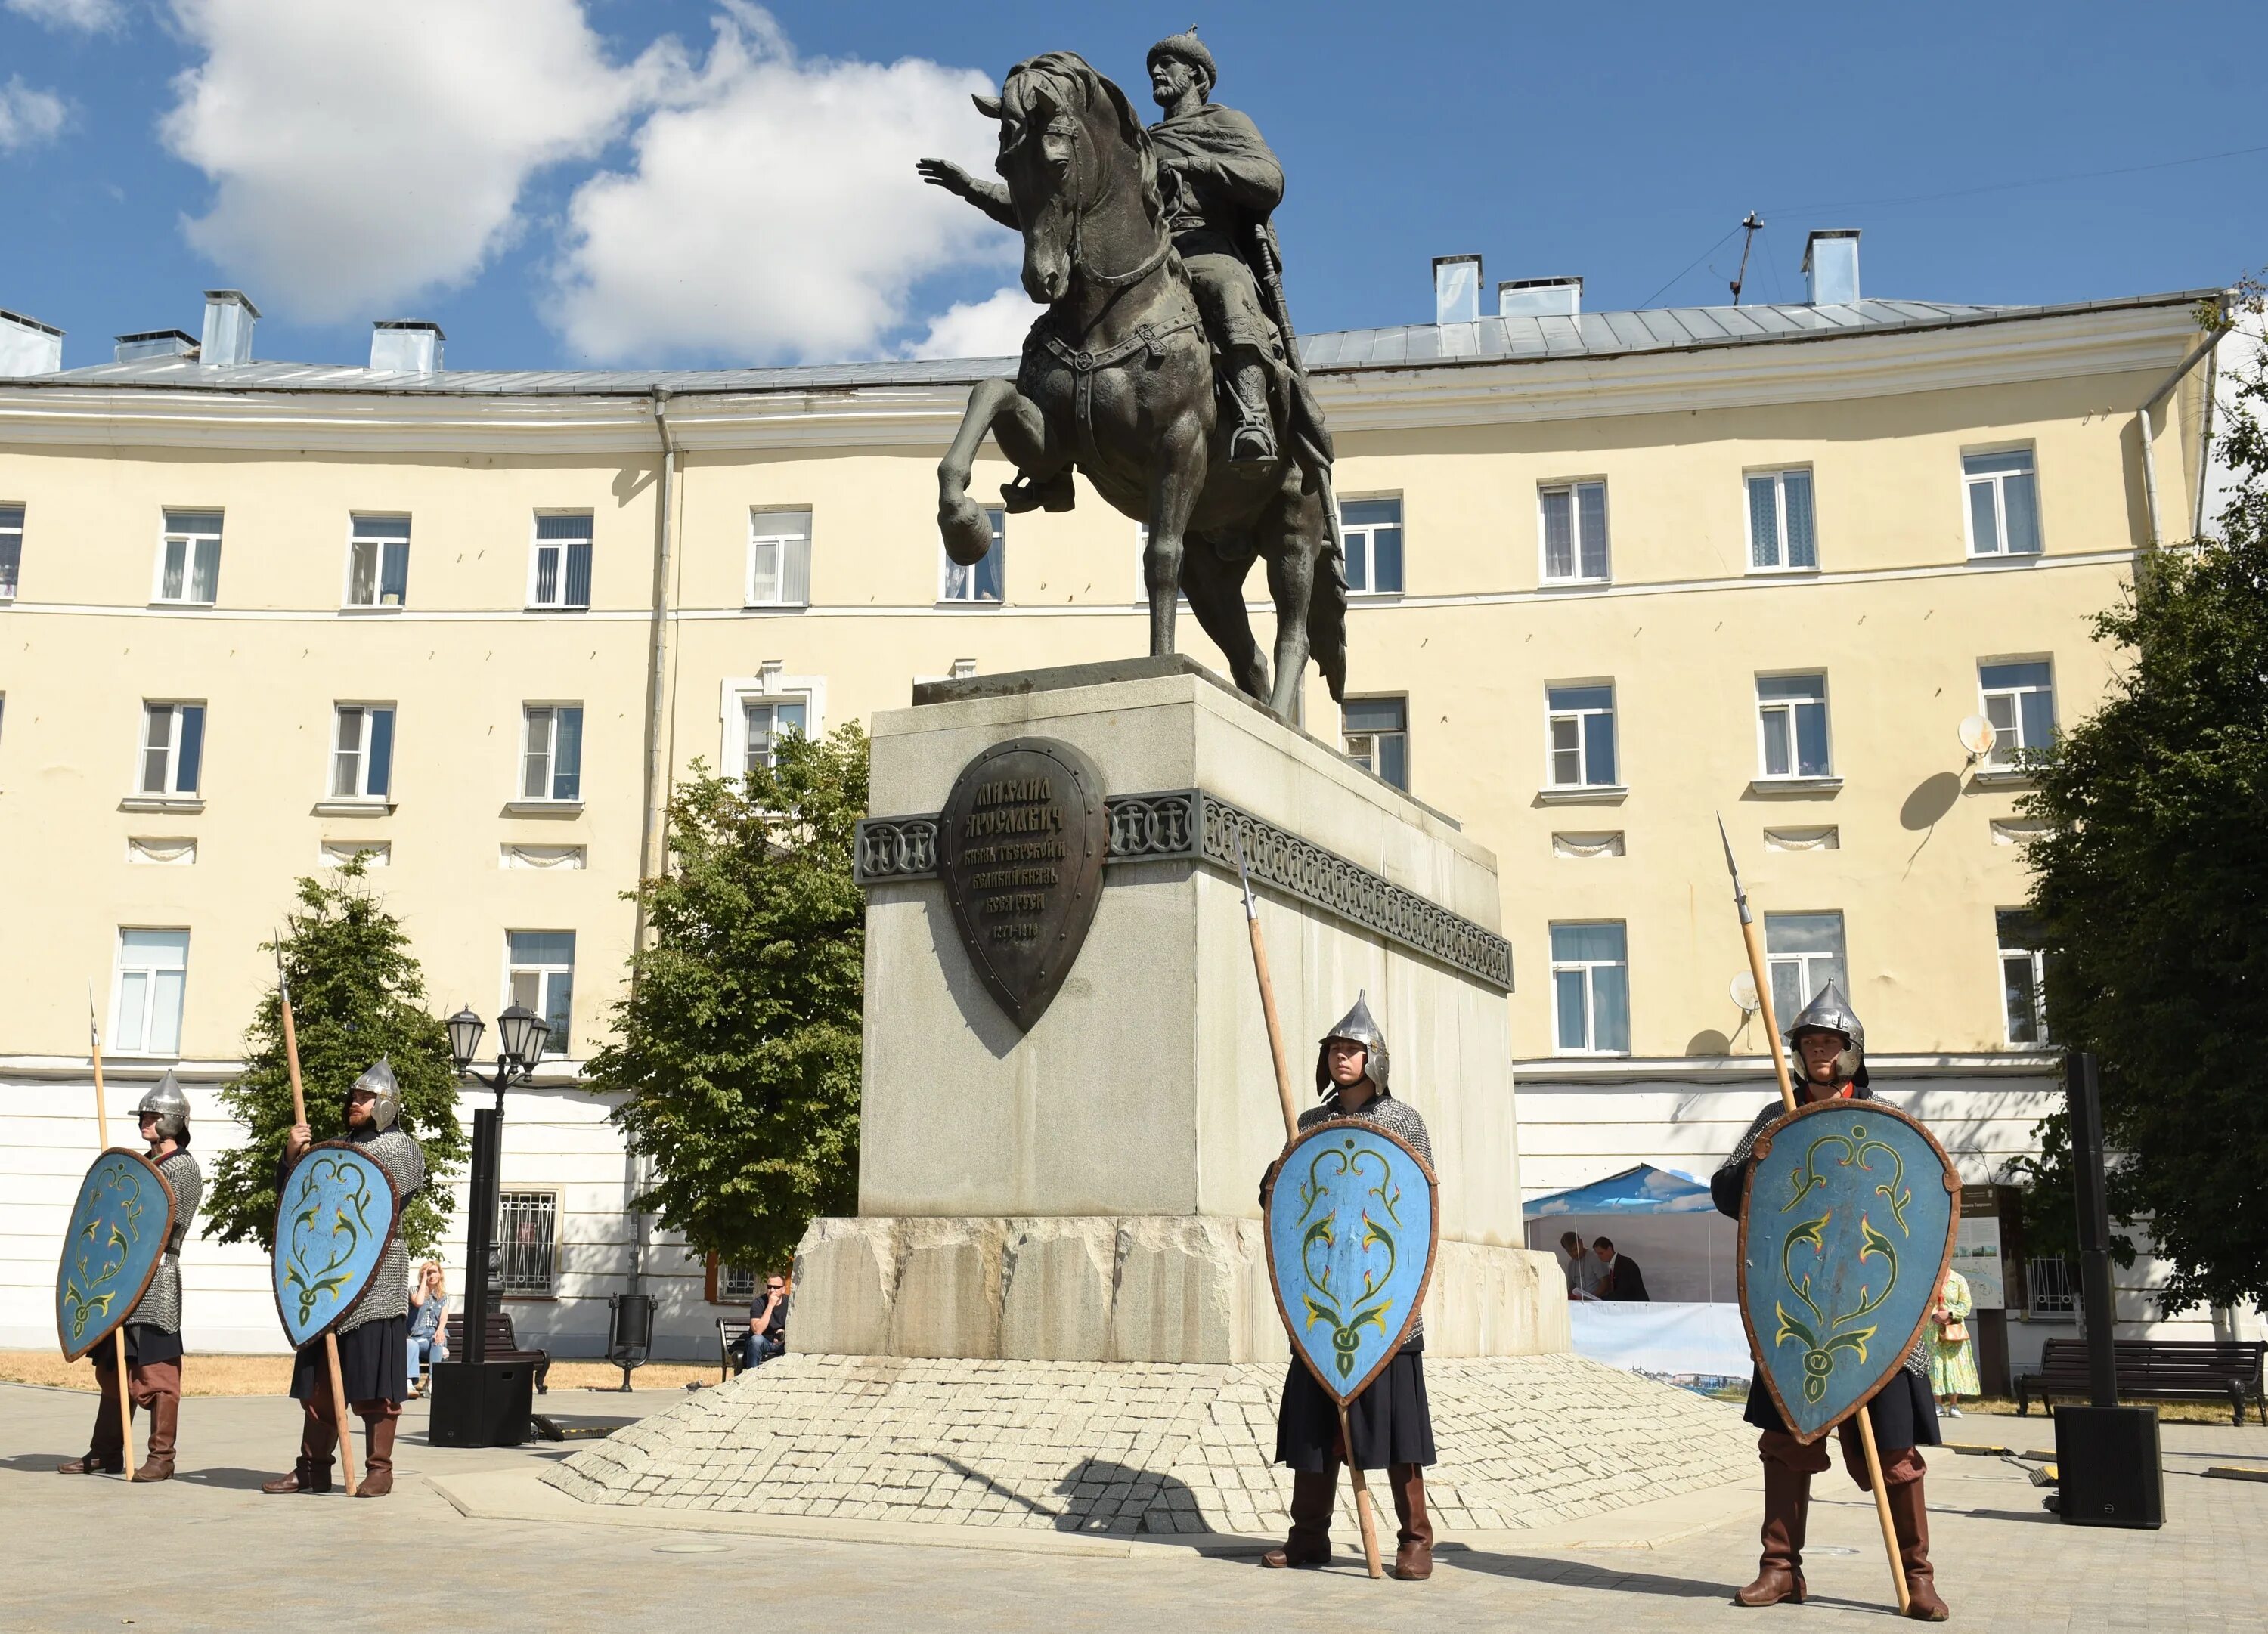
(1846, 1232)
(117, 1237)
(332, 1226)
(1349, 1228)
(1020, 848)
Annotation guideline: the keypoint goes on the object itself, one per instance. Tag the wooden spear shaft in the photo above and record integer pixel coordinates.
(330, 1339)
(1290, 1107)
(117, 1334)
(1761, 976)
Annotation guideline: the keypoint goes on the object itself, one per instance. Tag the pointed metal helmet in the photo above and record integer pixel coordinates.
(1191, 51)
(1357, 1026)
(1830, 1013)
(170, 1105)
(387, 1105)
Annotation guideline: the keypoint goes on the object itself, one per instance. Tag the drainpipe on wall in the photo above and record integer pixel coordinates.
(2149, 455)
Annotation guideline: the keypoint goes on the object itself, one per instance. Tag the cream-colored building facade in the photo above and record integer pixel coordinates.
(1589, 506)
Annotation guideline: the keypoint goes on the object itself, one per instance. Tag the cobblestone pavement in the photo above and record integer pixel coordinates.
(206, 1551)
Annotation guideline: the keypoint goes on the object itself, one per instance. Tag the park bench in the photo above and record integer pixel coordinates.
(2169, 1370)
(502, 1346)
(730, 1332)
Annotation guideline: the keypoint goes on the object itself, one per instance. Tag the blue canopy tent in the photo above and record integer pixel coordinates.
(1637, 1209)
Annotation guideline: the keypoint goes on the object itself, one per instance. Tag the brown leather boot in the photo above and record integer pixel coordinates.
(377, 1472)
(106, 1453)
(1413, 1556)
(1787, 1511)
(164, 1421)
(1309, 1543)
(1909, 1518)
(312, 1471)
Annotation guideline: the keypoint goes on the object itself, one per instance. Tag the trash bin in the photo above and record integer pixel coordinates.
(630, 1336)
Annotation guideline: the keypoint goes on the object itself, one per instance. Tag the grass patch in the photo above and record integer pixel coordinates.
(2169, 1412)
(271, 1375)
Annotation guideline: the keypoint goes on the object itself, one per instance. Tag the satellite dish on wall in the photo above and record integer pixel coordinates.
(1976, 736)
(1743, 989)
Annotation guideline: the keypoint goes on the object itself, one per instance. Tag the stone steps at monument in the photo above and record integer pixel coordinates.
(1143, 1447)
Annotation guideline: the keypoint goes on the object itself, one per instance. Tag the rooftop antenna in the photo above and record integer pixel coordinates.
(1753, 224)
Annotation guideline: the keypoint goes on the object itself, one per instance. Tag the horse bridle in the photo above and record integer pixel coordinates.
(1078, 212)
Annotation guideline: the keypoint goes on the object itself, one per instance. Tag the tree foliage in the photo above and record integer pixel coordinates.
(357, 993)
(737, 1046)
(2152, 883)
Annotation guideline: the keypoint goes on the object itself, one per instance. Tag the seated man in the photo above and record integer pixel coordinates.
(767, 1335)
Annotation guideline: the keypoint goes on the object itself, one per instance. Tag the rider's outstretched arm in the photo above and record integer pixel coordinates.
(992, 198)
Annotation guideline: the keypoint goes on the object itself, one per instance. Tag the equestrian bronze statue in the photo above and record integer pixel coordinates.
(1163, 368)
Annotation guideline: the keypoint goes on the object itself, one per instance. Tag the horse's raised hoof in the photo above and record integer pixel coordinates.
(966, 530)
(1049, 493)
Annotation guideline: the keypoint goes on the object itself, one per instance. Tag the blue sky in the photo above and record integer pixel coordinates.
(648, 181)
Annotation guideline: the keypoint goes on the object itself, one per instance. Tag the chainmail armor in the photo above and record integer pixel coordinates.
(160, 1305)
(403, 1159)
(1401, 1118)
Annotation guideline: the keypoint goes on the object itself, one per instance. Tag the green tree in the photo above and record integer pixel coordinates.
(737, 1052)
(2152, 885)
(357, 993)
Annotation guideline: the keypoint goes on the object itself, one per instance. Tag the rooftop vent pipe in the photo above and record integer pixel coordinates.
(405, 346)
(156, 344)
(1456, 289)
(1539, 297)
(1831, 265)
(229, 315)
(28, 346)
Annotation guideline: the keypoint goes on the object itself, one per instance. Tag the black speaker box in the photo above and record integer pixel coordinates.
(484, 1404)
(2108, 1470)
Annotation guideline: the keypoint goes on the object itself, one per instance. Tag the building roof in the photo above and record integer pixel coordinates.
(1406, 346)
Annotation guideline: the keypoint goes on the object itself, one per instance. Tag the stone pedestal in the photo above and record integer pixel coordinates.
(1087, 1190)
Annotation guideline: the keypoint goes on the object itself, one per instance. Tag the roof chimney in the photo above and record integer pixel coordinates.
(1830, 263)
(1456, 289)
(156, 344)
(405, 346)
(28, 346)
(229, 314)
(1539, 297)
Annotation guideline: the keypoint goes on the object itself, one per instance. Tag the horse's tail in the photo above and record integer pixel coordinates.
(1327, 603)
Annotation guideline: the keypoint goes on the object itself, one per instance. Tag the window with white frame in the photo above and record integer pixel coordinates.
(1780, 537)
(986, 581)
(559, 573)
(779, 558)
(362, 752)
(528, 1239)
(11, 549)
(2023, 976)
(1804, 952)
(188, 560)
(1574, 518)
(145, 1014)
(764, 721)
(377, 562)
(2019, 700)
(1372, 531)
(1792, 726)
(1581, 722)
(1374, 733)
(540, 975)
(2004, 503)
(1590, 989)
(172, 747)
(551, 752)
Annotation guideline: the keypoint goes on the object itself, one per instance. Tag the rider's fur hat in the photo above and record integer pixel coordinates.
(1191, 49)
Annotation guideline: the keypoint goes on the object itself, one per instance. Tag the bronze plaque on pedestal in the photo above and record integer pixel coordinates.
(1020, 844)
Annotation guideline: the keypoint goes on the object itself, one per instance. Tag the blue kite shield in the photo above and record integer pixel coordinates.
(116, 1238)
(1846, 1229)
(1350, 1249)
(336, 1216)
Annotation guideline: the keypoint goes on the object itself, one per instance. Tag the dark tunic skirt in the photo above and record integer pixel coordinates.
(373, 1364)
(1905, 1412)
(146, 1346)
(1390, 1422)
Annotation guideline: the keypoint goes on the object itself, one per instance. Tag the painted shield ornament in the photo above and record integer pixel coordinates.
(336, 1216)
(1020, 847)
(1846, 1232)
(1350, 1227)
(113, 1248)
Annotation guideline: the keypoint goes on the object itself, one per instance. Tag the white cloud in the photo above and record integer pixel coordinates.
(361, 153)
(93, 16)
(27, 117)
(772, 211)
(992, 327)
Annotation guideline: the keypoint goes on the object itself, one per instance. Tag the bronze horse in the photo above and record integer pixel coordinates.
(1118, 382)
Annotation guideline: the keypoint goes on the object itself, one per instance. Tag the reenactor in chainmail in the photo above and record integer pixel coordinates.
(153, 1327)
(1829, 1050)
(374, 1339)
(1390, 1425)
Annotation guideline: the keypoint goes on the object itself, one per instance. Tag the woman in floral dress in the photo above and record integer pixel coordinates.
(1952, 1354)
